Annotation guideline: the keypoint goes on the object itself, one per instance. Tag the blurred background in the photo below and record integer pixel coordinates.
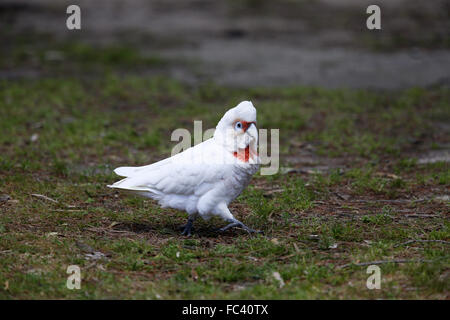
(364, 122)
(232, 42)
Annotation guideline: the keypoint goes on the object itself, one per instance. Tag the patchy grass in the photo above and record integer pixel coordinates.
(362, 195)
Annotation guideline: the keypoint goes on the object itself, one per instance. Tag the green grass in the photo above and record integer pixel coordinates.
(314, 223)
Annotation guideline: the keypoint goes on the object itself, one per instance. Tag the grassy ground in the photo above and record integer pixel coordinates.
(364, 192)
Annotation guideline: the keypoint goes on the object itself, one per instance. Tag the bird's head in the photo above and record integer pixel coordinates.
(237, 131)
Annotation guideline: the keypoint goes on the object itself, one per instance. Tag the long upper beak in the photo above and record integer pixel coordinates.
(252, 131)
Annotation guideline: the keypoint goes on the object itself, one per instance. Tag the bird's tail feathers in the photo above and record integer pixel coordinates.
(126, 171)
(128, 184)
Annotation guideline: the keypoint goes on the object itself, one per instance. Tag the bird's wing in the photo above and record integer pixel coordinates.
(134, 171)
(190, 172)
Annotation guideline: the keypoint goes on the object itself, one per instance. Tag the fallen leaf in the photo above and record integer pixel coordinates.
(115, 223)
(52, 234)
(84, 247)
(6, 287)
(270, 193)
(36, 272)
(208, 243)
(238, 287)
(333, 246)
(443, 198)
(278, 277)
(274, 241)
(298, 144)
(387, 175)
(194, 275)
(101, 267)
(95, 256)
(34, 137)
(342, 196)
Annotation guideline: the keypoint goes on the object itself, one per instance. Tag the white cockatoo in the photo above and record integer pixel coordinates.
(204, 179)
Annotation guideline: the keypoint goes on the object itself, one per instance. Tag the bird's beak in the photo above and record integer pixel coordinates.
(252, 131)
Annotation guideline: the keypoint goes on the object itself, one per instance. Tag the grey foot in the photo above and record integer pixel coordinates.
(187, 228)
(237, 223)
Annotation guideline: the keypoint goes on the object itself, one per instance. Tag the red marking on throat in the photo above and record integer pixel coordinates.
(243, 155)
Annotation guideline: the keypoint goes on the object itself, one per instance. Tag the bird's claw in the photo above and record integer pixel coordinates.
(237, 223)
(186, 232)
(187, 228)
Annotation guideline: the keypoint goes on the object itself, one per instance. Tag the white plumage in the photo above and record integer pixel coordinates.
(204, 179)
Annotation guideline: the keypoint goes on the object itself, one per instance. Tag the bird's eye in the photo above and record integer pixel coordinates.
(238, 126)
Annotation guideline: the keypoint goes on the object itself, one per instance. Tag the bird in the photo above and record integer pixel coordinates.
(204, 179)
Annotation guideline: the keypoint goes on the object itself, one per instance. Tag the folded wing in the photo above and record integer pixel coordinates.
(193, 171)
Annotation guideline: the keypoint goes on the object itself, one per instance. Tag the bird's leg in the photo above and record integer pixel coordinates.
(188, 227)
(228, 226)
(237, 223)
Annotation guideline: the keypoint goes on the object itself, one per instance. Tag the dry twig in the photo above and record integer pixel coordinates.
(420, 240)
(362, 264)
